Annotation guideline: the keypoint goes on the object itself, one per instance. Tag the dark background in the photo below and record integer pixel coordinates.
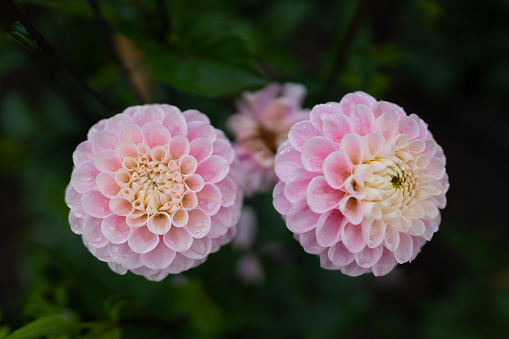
(447, 61)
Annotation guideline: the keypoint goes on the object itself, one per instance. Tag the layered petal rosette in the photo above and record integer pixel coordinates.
(361, 184)
(154, 190)
(262, 124)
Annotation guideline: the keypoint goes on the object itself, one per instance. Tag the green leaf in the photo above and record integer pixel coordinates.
(20, 35)
(49, 325)
(205, 56)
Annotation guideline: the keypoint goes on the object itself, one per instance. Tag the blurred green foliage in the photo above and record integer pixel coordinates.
(446, 60)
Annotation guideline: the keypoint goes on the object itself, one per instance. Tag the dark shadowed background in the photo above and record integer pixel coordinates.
(447, 61)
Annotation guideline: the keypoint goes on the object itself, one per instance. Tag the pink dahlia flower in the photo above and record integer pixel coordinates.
(361, 184)
(262, 124)
(152, 190)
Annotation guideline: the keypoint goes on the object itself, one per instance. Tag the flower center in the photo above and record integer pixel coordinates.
(155, 183)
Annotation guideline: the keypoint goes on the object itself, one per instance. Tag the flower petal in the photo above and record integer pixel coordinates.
(115, 229)
(300, 133)
(349, 101)
(201, 149)
(321, 197)
(363, 120)
(336, 169)
(174, 121)
(328, 228)
(224, 149)
(107, 161)
(95, 204)
(179, 147)
(199, 249)
(405, 249)
(279, 200)
(385, 264)
(142, 240)
(300, 218)
(336, 126)
(353, 147)
(131, 133)
(92, 232)
(314, 152)
(209, 199)
(199, 223)
(214, 169)
(159, 223)
(340, 255)
(155, 134)
(200, 129)
(297, 183)
(83, 153)
(159, 258)
(178, 239)
(287, 159)
(104, 140)
(351, 236)
(369, 256)
(84, 175)
(351, 208)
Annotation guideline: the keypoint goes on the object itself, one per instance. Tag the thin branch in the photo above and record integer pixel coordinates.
(46, 48)
(111, 46)
(341, 53)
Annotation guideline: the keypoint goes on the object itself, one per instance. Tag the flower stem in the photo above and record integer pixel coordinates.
(46, 48)
(340, 54)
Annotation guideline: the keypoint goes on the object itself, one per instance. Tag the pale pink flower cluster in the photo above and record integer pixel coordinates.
(262, 124)
(154, 190)
(361, 184)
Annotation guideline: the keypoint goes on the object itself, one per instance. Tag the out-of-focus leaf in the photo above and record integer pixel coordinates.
(16, 119)
(4, 331)
(205, 57)
(19, 34)
(284, 16)
(49, 325)
(74, 7)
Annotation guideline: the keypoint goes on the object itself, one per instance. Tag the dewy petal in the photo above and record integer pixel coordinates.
(131, 133)
(107, 161)
(188, 165)
(392, 237)
(228, 189)
(104, 140)
(195, 115)
(159, 258)
(328, 228)
(106, 184)
(201, 149)
(351, 236)
(373, 232)
(280, 202)
(404, 251)
(385, 264)
(178, 239)
(300, 133)
(83, 177)
(300, 218)
(214, 169)
(137, 219)
(209, 199)
(118, 121)
(336, 169)
(336, 126)
(179, 147)
(148, 114)
(115, 229)
(349, 101)
(320, 112)
(363, 120)
(409, 126)
(369, 256)
(296, 184)
(314, 152)
(155, 134)
(83, 153)
(199, 249)
(373, 143)
(189, 201)
(200, 129)
(351, 207)
(174, 121)
(353, 147)
(195, 182)
(224, 149)
(159, 223)
(180, 218)
(92, 232)
(121, 206)
(287, 159)
(199, 223)
(142, 240)
(387, 125)
(126, 149)
(340, 255)
(321, 197)
(95, 204)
